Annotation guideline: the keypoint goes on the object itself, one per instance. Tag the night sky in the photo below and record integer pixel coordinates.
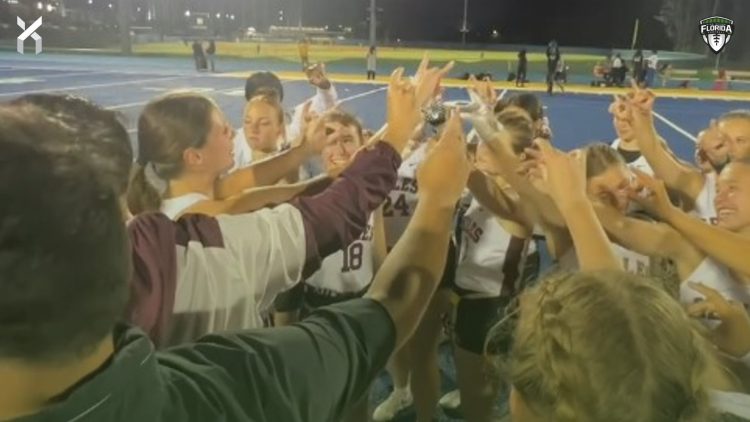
(602, 23)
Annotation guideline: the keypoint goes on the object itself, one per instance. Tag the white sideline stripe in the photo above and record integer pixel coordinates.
(71, 88)
(362, 95)
(675, 127)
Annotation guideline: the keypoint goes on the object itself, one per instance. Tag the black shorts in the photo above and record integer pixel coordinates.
(475, 317)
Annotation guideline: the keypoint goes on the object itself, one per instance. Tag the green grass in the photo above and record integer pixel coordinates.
(328, 53)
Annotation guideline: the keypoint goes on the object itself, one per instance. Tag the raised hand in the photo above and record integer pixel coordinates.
(316, 75)
(427, 80)
(651, 194)
(483, 91)
(560, 175)
(733, 334)
(443, 174)
(404, 112)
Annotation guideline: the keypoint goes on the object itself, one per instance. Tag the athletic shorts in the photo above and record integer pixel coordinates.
(475, 317)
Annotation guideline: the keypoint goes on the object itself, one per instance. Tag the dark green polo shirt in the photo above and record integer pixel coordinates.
(311, 371)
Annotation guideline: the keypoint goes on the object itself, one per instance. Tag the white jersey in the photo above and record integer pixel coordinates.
(350, 270)
(402, 200)
(640, 164)
(174, 207)
(704, 203)
(632, 262)
(490, 259)
(718, 277)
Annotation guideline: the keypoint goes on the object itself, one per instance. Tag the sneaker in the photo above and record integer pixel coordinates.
(451, 400)
(392, 406)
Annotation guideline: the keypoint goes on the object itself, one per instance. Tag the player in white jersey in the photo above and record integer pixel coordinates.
(692, 183)
(346, 274)
(185, 145)
(488, 278)
(248, 145)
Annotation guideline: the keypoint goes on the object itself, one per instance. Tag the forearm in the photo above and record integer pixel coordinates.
(263, 173)
(724, 246)
(666, 166)
(336, 217)
(592, 246)
(490, 196)
(258, 198)
(408, 278)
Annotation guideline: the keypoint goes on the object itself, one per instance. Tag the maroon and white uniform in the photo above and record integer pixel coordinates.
(200, 274)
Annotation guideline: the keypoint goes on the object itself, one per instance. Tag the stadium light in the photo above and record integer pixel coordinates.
(50, 7)
(110, 5)
(187, 13)
(218, 16)
(231, 17)
(40, 6)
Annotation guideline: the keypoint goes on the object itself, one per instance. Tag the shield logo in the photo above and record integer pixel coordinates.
(716, 32)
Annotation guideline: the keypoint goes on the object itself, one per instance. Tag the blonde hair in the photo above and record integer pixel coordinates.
(610, 346)
(600, 157)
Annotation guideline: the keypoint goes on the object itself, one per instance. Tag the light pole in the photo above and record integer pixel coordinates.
(465, 28)
(373, 22)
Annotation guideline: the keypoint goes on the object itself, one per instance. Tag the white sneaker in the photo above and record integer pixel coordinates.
(391, 407)
(451, 400)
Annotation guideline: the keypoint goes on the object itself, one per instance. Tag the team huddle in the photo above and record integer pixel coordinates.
(272, 273)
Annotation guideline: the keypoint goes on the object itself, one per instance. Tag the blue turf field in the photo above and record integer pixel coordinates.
(126, 84)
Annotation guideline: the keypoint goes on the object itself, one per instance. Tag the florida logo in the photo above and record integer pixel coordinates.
(717, 32)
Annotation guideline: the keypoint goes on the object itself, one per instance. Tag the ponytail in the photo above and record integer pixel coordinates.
(142, 196)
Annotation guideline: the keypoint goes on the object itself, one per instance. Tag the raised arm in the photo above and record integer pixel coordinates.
(255, 199)
(564, 177)
(724, 246)
(413, 269)
(677, 175)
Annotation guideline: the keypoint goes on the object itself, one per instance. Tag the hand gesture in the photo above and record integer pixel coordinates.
(316, 75)
(733, 334)
(313, 136)
(651, 194)
(427, 81)
(483, 91)
(443, 174)
(403, 111)
(561, 175)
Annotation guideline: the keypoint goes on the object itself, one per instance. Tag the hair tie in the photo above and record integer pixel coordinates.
(153, 179)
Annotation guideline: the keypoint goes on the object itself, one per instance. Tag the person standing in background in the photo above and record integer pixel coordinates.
(304, 53)
(653, 66)
(372, 63)
(523, 64)
(618, 70)
(553, 57)
(200, 59)
(210, 54)
(638, 66)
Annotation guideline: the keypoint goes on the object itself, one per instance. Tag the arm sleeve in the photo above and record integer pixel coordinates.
(311, 371)
(339, 215)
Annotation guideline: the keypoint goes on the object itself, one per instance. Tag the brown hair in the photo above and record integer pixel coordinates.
(610, 346)
(599, 158)
(167, 127)
(345, 118)
(517, 121)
